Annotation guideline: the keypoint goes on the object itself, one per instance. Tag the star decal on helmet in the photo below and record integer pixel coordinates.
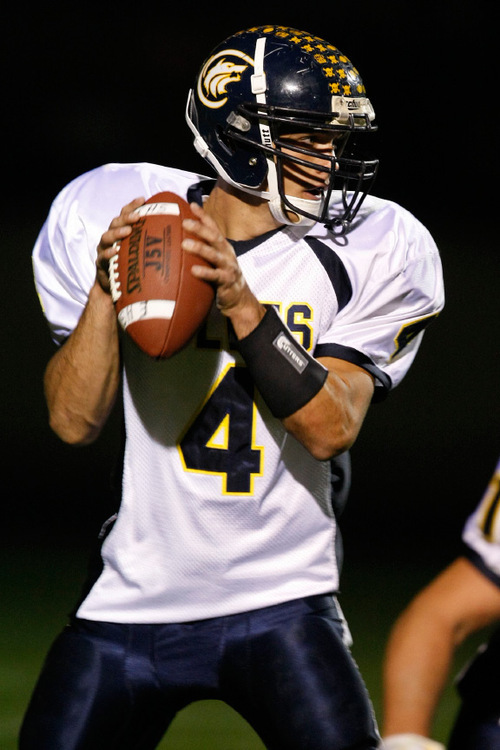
(331, 61)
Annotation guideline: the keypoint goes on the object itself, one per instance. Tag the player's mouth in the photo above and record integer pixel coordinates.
(314, 186)
(314, 191)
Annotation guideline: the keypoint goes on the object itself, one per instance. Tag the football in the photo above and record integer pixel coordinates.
(159, 303)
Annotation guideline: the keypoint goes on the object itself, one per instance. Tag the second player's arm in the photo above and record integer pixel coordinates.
(423, 640)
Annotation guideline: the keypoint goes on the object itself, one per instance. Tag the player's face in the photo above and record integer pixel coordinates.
(303, 181)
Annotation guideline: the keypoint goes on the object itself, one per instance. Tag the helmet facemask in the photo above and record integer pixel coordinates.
(352, 177)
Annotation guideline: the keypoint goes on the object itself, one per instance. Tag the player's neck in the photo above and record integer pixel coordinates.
(240, 216)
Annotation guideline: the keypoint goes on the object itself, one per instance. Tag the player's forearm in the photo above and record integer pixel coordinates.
(322, 404)
(330, 422)
(416, 668)
(81, 379)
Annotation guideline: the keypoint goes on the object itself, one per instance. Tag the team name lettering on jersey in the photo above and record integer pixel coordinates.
(298, 317)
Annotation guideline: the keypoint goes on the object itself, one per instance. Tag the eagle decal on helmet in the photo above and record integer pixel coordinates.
(218, 73)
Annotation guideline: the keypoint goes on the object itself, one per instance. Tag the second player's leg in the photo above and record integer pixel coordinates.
(475, 728)
(478, 721)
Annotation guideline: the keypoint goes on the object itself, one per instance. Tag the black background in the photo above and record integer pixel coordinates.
(86, 85)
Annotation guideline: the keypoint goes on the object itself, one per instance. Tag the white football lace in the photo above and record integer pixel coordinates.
(114, 281)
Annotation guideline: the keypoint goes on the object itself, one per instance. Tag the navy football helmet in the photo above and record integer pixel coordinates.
(263, 83)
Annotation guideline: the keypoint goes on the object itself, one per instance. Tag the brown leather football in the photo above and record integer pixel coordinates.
(159, 303)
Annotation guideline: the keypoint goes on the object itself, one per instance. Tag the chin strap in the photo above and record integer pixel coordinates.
(280, 211)
(287, 216)
(272, 195)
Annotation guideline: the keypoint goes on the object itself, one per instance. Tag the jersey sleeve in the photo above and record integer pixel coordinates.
(65, 251)
(397, 290)
(481, 533)
(64, 263)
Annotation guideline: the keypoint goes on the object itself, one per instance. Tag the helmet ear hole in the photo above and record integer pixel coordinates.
(224, 141)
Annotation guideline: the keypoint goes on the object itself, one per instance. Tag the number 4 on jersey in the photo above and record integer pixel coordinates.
(221, 440)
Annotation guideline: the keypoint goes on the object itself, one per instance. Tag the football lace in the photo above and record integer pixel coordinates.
(114, 278)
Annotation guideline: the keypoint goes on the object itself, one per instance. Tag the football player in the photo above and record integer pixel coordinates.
(462, 599)
(217, 578)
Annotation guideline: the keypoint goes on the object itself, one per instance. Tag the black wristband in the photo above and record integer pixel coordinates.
(283, 371)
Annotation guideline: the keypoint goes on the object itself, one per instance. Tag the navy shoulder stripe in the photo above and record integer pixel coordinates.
(339, 351)
(335, 269)
(244, 246)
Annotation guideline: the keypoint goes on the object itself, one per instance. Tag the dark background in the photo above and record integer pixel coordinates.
(85, 85)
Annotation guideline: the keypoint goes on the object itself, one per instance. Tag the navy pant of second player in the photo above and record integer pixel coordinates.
(284, 668)
(478, 721)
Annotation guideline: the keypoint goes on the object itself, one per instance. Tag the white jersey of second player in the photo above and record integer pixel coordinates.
(481, 532)
(221, 510)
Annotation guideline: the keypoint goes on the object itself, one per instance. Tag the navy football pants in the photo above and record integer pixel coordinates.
(284, 668)
(476, 729)
(477, 726)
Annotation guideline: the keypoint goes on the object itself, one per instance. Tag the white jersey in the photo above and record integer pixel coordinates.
(481, 533)
(221, 509)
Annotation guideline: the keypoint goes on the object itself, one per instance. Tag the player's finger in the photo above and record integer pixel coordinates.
(203, 226)
(128, 214)
(115, 234)
(132, 206)
(209, 253)
(210, 235)
(121, 225)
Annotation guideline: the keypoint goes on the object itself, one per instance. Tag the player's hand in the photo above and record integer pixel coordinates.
(120, 227)
(232, 291)
(409, 742)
